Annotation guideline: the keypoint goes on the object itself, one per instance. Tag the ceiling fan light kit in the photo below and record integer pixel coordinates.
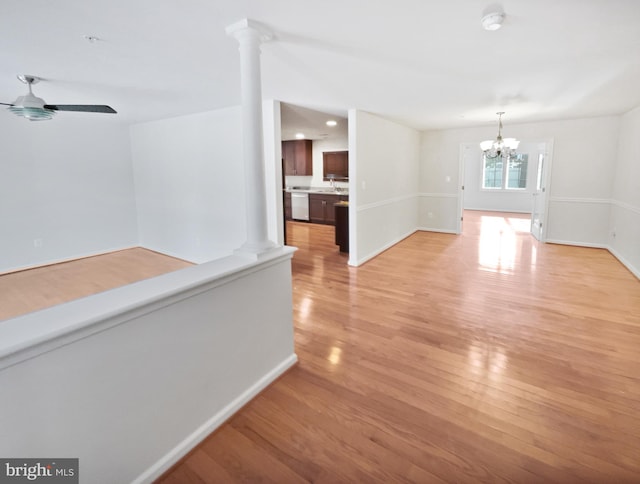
(34, 108)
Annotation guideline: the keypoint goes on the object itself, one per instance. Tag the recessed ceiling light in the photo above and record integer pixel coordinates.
(331, 122)
(300, 135)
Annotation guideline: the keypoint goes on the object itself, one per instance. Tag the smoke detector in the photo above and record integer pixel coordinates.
(493, 20)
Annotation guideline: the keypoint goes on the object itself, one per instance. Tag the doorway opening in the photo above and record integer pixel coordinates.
(517, 185)
(315, 176)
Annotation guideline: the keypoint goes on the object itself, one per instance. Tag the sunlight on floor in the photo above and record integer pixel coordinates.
(504, 243)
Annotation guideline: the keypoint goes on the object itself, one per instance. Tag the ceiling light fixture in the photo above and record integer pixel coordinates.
(505, 147)
(332, 123)
(31, 106)
(493, 20)
(299, 135)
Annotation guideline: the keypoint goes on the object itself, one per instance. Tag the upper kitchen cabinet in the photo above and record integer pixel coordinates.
(298, 157)
(335, 165)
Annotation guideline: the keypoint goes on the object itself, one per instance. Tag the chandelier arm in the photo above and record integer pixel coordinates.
(500, 147)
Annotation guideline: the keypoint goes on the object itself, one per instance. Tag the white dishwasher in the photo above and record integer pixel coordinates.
(299, 206)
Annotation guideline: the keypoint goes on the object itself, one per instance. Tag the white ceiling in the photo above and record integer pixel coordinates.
(428, 64)
(311, 123)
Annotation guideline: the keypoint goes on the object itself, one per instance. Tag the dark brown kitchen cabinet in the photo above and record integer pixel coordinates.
(335, 165)
(287, 205)
(321, 209)
(298, 157)
(342, 227)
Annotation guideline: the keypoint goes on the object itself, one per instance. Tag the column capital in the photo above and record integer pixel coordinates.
(248, 26)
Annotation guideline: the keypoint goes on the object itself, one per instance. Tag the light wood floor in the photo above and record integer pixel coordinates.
(42, 287)
(485, 357)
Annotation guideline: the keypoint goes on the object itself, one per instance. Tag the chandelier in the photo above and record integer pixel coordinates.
(505, 147)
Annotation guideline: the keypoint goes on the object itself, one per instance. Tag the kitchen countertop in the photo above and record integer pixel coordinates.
(325, 190)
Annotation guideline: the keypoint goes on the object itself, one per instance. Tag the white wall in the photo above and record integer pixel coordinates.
(383, 184)
(581, 180)
(130, 379)
(439, 179)
(273, 170)
(66, 183)
(189, 187)
(477, 198)
(625, 207)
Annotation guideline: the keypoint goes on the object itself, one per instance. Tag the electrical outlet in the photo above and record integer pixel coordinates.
(37, 242)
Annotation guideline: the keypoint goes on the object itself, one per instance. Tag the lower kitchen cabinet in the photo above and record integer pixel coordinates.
(287, 206)
(342, 227)
(321, 209)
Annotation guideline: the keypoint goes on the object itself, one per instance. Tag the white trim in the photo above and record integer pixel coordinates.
(30, 335)
(546, 186)
(438, 195)
(626, 206)
(176, 255)
(462, 174)
(379, 251)
(580, 200)
(498, 210)
(382, 203)
(441, 231)
(77, 257)
(634, 270)
(509, 191)
(202, 432)
(577, 243)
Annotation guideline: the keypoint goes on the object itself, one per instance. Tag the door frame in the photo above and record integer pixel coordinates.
(548, 159)
(462, 160)
(548, 152)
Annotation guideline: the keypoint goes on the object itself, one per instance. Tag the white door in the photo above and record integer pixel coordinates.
(539, 200)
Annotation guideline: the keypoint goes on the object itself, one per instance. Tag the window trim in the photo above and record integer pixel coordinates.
(505, 178)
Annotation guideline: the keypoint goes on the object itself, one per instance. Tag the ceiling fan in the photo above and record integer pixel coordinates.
(35, 109)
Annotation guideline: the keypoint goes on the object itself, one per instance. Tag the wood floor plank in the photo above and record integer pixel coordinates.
(42, 287)
(483, 357)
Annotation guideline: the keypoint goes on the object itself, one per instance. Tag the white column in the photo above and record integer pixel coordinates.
(249, 35)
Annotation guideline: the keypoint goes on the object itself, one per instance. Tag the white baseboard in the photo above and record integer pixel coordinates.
(634, 270)
(441, 231)
(53, 262)
(370, 256)
(577, 244)
(175, 255)
(180, 450)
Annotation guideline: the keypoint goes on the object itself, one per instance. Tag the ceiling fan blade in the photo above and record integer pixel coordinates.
(85, 108)
(6, 104)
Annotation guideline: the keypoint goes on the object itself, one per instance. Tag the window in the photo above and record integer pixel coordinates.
(505, 174)
(492, 172)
